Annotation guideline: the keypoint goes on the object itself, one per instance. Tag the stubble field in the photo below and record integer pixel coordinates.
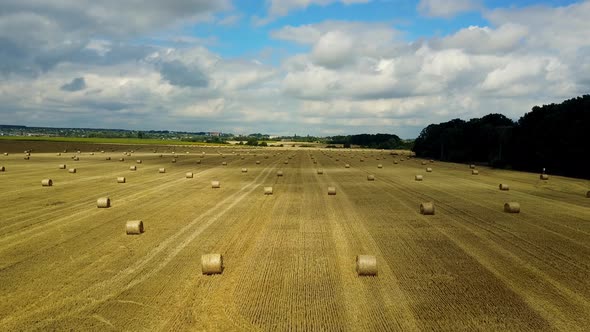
(289, 257)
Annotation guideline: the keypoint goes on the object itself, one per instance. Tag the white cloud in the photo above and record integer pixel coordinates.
(446, 8)
(278, 8)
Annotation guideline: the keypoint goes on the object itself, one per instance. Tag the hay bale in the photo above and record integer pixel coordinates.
(370, 177)
(257, 162)
(418, 177)
(587, 194)
(47, 182)
(2, 169)
(431, 160)
(503, 186)
(428, 169)
(244, 170)
(27, 157)
(423, 163)
(224, 163)
(212, 264)
(101, 151)
(92, 153)
(138, 161)
(121, 179)
(474, 172)
(279, 173)
(121, 159)
(320, 171)
(198, 162)
(544, 177)
(103, 202)
(189, 175)
(173, 161)
(268, 190)
(379, 166)
(162, 170)
(286, 162)
(215, 184)
(108, 158)
(6, 153)
(395, 162)
(133, 168)
(472, 166)
(76, 158)
(427, 208)
(134, 227)
(331, 190)
(512, 207)
(72, 170)
(346, 166)
(62, 166)
(58, 154)
(366, 265)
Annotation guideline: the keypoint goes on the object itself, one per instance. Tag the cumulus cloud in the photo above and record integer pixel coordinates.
(278, 8)
(446, 8)
(76, 84)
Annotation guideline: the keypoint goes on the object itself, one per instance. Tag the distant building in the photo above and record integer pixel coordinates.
(215, 133)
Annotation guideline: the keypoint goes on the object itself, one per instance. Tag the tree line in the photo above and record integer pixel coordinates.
(552, 137)
(374, 141)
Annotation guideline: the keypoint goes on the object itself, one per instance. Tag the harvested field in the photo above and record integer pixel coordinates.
(289, 261)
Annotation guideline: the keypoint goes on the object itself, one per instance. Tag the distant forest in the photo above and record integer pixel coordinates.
(555, 137)
(374, 141)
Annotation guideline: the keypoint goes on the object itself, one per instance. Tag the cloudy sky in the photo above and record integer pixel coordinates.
(318, 67)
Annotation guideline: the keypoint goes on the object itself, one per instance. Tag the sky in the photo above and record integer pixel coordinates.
(285, 67)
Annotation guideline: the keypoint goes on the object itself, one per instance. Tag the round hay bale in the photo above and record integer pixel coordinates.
(418, 177)
(361, 160)
(370, 177)
(2, 169)
(6, 153)
(395, 162)
(215, 184)
(62, 166)
(173, 152)
(47, 182)
(286, 162)
(428, 169)
(366, 265)
(503, 186)
(101, 151)
(72, 170)
(544, 177)
(257, 162)
(198, 162)
(28, 154)
(512, 207)
(138, 161)
(133, 168)
(474, 172)
(76, 158)
(587, 193)
(472, 166)
(423, 163)
(121, 159)
(121, 179)
(162, 170)
(431, 160)
(27, 157)
(320, 171)
(331, 190)
(279, 173)
(134, 227)
(224, 163)
(92, 153)
(173, 161)
(337, 159)
(189, 175)
(427, 208)
(347, 166)
(58, 154)
(187, 152)
(268, 190)
(244, 170)
(103, 202)
(108, 158)
(212, 264)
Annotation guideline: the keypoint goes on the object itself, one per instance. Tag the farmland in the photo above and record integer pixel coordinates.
(289, 257)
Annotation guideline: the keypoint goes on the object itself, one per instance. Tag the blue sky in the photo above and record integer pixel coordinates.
(319, 67)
